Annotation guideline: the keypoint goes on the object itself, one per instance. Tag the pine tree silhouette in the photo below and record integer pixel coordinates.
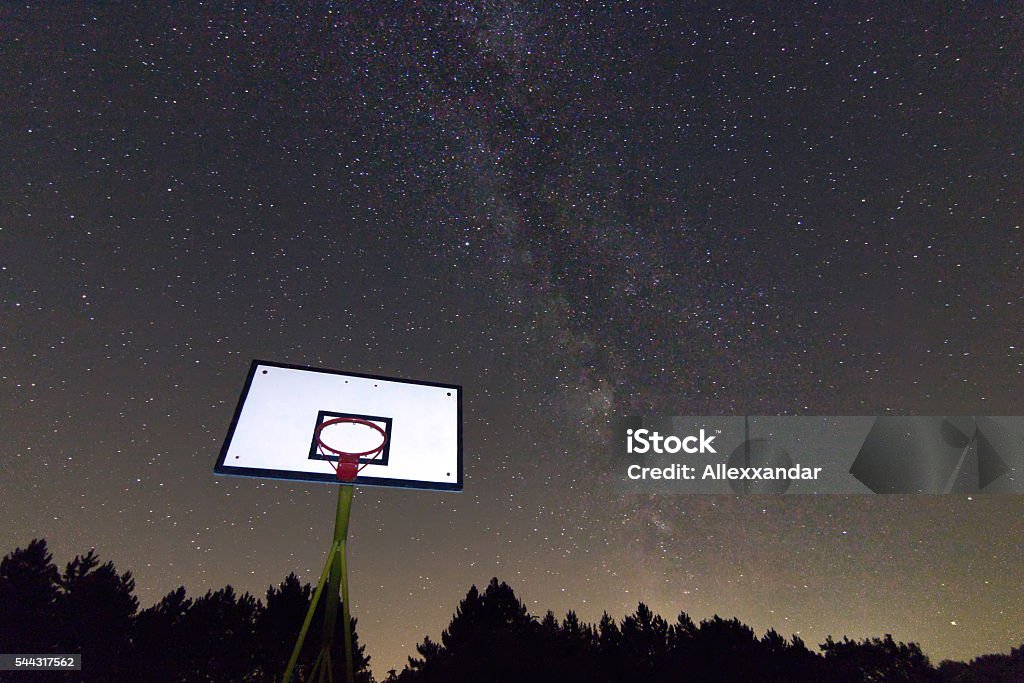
(278, 625)
(28, 596)
(223, 637)
(231, 656)
(94, 611)
(985, 669)
(644, 644)
(876, 659)
(160, 639)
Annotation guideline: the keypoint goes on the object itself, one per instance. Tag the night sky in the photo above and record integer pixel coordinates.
(576, 214)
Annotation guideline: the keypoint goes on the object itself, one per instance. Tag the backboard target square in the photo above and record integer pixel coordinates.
(315, 452)
(272, 434)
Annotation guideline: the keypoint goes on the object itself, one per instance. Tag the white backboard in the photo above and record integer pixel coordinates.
(272, 433)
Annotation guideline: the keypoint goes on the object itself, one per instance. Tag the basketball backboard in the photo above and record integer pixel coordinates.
(273, 433)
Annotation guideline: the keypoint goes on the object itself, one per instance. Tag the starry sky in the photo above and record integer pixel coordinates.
(576, 213)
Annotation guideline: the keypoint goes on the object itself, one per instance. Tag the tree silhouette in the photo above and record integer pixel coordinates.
(231, 656)
(223, 637)
(226, 637)
(876, 660)
(572, 652)
(725, 649)
(609, 639)
(788, 660)
(91, 609)
(161, 641)
(644, 645)
(491, 637)
(94, 610)
(362, 661)
(985, 669)
(279, 623)
(28, 595)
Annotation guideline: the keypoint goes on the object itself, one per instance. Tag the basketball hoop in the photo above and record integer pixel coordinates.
(348, 466)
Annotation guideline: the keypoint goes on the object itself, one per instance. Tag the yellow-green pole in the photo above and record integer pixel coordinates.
(339, 579)
(335, 576)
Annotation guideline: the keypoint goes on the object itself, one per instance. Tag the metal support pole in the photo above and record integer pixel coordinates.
(334, 576)
(339, 579)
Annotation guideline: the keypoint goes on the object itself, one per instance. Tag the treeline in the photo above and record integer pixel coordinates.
(226, 637)
(493, 638)
(91, 609)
